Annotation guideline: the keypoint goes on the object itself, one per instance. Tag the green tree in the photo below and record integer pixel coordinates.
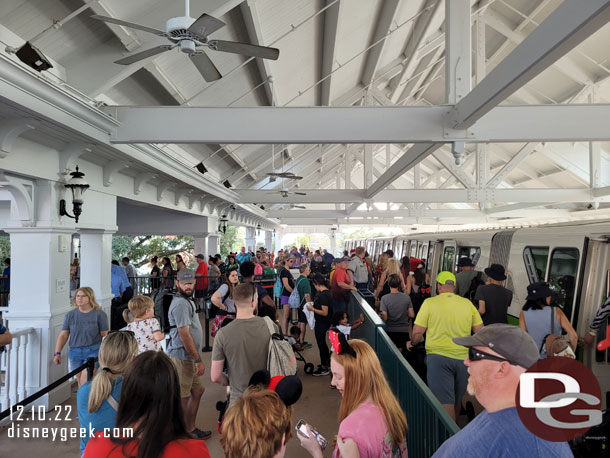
(5, 248)
(232, 240)
(141, 248)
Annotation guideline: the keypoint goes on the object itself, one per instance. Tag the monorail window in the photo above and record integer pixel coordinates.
(536, 259)
(562, 277)
(448, 259)
(414, 248)
(472, 252)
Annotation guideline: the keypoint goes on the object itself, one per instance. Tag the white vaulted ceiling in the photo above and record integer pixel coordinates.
(332, 53)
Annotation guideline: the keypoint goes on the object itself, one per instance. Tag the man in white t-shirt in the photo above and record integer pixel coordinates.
(357, 270)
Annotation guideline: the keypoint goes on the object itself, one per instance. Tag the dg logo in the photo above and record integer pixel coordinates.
(559, 399)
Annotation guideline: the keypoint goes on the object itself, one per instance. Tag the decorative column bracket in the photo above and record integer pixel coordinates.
(110, 169)
(10, 129)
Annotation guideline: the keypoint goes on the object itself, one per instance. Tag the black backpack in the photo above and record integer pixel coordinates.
(474, 285)
(213, 310)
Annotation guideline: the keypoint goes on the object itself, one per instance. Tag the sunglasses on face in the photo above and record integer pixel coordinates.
(478, 355)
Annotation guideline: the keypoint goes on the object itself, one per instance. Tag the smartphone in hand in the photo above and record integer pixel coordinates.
(302, 429)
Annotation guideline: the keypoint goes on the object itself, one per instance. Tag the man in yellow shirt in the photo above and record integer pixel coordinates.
(444, 317)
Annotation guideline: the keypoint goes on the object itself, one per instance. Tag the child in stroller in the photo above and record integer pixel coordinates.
(293, 339)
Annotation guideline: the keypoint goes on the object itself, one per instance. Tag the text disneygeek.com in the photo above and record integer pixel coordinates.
(16, 431)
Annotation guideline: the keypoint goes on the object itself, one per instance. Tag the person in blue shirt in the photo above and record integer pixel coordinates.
(118, 280)
(497, 356)
(97, 401)
(243, 256)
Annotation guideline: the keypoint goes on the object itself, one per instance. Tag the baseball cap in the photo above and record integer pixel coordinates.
(186, 276)
(539, 290)
(343, 259)
(444, 278)
(200, 256)
(512, 342)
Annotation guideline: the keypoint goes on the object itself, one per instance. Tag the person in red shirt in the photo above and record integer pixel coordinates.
(341, 285)
(201, 275)
(149, 418)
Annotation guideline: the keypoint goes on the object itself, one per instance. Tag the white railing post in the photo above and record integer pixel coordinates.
(4, 388)
(12, 370)
(22, 367)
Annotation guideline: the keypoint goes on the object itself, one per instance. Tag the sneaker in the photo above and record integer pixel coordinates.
(306, 345)
(320, 371)
(199, 434)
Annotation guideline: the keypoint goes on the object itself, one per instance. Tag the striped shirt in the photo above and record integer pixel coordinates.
(602, 314)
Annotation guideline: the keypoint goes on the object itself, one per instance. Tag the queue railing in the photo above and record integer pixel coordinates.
(89, 366)
(429, 424)
(13, 363)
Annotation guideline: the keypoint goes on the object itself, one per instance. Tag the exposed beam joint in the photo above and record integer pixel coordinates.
(566, 27)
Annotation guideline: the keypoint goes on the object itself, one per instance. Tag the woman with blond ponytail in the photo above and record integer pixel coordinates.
(98, 400)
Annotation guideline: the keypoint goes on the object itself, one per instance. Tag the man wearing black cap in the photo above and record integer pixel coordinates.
(465, 277)
(492, 298)
(497, 356)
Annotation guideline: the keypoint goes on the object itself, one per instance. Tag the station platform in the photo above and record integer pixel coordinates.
(319, 405)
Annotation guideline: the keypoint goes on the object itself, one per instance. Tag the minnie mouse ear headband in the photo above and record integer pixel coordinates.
(339, 342)
(288, 388)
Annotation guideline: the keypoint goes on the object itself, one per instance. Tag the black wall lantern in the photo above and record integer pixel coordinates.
(78, 186)
(222, 227)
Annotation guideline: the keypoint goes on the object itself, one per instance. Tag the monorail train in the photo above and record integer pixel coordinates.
(574, 258)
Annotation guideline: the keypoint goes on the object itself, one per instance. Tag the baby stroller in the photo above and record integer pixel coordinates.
(308, 367)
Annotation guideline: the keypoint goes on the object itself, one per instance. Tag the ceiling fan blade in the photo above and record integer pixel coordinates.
(300, 193)
(205, 25)
(142, 55)
(205, 66)
(245, 49)
(129, 24)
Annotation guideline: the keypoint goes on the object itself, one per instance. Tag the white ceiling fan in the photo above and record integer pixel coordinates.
(285, 193)
(273, 176)
(190, 35)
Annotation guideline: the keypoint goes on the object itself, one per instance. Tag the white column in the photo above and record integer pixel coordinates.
(268, 240)
(250, 239)
(201, 244)
(96, 256)
(213, 244)
(457, 49)
(40, 298)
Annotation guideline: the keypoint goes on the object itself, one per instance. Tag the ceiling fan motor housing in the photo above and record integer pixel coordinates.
(177, 28)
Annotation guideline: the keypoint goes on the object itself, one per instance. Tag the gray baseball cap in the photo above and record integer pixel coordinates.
(512, 342)
(186, 276)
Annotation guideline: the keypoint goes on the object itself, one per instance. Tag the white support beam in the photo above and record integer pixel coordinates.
(414, 155)
(368, 165)
(329, 48)
(512, 164)
(402, 125)
(457, 50)
(348, 167)
(447, 161)
(124, 34)
(382, 29)
(546, 195)
(250, 14)
(566, 27)
(430, 18)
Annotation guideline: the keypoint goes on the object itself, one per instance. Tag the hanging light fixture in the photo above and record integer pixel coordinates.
(258, 230)
(78, 186)
(222, 227)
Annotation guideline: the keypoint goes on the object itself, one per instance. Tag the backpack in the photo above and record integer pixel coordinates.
(294, 301)
(163, 299)
(555, 345)
(281, 359)
(474, 285)
(213, 310)
(277, 286)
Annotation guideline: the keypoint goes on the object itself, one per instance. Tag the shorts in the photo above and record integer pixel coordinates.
(77, 356)
(186, 374)
(447, 378)
(302, 318)
(284, 300)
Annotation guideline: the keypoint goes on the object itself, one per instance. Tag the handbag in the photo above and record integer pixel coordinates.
(554, 344)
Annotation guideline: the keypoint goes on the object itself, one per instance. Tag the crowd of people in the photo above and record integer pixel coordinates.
(462, 331)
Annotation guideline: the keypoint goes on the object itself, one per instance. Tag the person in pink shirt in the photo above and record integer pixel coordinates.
(371, 422)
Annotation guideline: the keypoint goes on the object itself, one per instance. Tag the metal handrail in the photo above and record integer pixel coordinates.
(429, 423)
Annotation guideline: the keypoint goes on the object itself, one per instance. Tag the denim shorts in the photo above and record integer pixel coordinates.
(78, 355)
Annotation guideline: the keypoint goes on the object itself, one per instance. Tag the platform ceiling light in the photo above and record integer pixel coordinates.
(78, 186)
(201, 168)
(227, 184)
(258, 229)
(31, 56)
